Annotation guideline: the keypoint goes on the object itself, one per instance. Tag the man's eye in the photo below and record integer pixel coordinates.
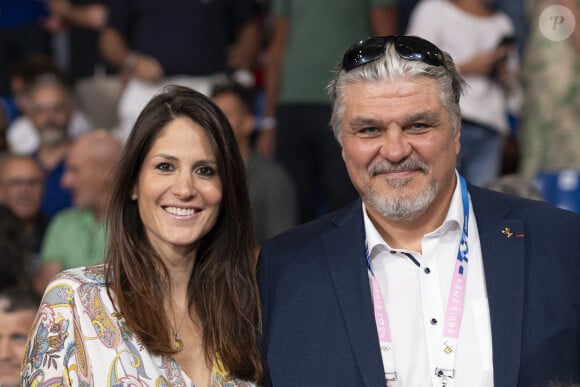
(370, 131)
(418, 127)
(205, 171)
(20, 338)
(164, 167)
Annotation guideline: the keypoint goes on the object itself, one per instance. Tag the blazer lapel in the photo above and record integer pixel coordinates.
(502, 245)
(345, 254)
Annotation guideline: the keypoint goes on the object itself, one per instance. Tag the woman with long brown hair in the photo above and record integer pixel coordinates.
(176, 302)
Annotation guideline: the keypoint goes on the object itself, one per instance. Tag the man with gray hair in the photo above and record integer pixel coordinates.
(425, 280)
(46, 133)
(76, 236)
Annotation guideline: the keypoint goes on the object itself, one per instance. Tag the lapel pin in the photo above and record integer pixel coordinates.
(507, 232)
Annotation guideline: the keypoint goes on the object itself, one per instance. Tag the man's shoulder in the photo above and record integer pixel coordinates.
(68, 223)
(71, 214)
(531, 211)
(316, 229)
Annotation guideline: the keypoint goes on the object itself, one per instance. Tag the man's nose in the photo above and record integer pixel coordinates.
(6, 351)
(395, 146)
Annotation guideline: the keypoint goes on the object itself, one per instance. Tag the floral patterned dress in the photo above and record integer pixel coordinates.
(78, 339)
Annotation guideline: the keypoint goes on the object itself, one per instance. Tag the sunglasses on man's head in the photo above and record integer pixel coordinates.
(408, 47)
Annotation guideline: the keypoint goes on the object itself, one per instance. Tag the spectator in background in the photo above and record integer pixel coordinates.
(146, 42)
(550, 130)
(515, 9)
(272, 193)
(306, 40)
(49, 88)
(76, 236)
(472, 32)
(14, 258)
(21, 190)
(22, 74)
(82, 20)
(95, 84)
(21, 34)
(55, 122)
(18, 307)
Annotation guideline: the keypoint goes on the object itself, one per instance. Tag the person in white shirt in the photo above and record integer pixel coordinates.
(426, 280)
(481, 40)
(25, 133)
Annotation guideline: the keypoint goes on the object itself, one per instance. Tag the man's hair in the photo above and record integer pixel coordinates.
(10, 157)
(18, 298)
(47, 79)
(391, 66)
(32, 66)
(243, 93)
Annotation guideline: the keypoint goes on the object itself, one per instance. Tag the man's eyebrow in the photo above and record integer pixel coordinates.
(360, 123)
(430, 117)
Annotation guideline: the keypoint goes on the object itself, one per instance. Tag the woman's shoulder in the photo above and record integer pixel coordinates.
(69, 282)
(86, 275)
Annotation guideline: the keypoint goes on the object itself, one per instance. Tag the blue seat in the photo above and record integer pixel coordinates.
(561, 188)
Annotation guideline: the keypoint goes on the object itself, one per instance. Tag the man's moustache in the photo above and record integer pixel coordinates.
(405, 165)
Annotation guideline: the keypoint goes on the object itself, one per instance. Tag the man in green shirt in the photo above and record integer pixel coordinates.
(76, 236)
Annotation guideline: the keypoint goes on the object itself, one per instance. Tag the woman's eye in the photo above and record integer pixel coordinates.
(205, 171)
(164, 167)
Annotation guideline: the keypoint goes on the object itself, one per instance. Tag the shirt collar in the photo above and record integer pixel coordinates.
(453, 221)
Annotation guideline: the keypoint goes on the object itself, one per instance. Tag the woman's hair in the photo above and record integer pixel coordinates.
(222, 289)
(391, 66)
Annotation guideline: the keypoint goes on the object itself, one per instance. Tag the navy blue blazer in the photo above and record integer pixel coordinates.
(318, 321)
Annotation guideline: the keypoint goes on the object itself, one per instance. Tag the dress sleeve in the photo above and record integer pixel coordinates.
(53, 345)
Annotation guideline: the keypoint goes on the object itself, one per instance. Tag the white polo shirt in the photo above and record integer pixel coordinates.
(416, 291)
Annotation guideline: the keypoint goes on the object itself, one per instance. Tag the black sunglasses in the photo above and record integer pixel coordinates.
(408, 47)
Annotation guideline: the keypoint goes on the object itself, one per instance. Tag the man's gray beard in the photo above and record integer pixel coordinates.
(53, 136)
(400, 206)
